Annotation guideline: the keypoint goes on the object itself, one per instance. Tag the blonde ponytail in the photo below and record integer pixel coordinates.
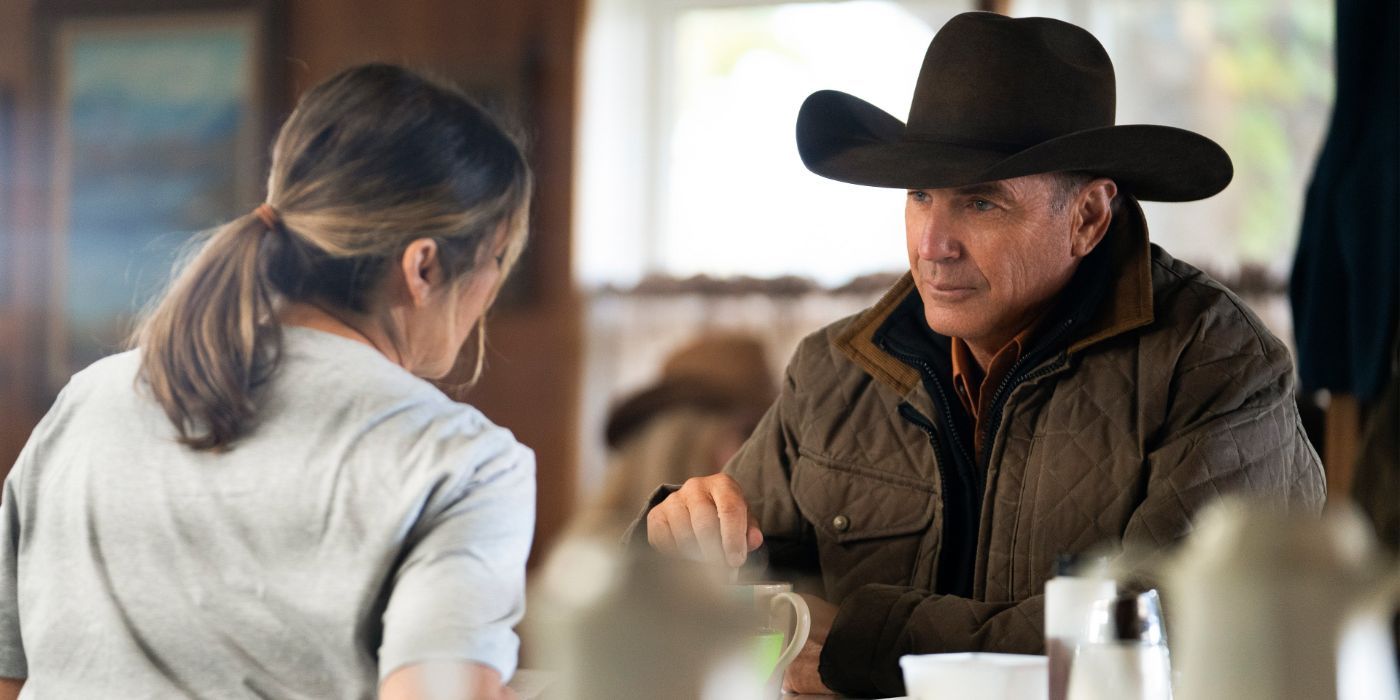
(213, 337)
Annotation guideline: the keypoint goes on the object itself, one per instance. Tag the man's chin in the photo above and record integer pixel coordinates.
(941, 324)
(944, 329)
(954, 323)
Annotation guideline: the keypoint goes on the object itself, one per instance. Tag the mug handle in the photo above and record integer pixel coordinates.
(802, 619)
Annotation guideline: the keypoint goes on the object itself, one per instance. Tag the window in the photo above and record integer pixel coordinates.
(687, 156)
(1257, 77)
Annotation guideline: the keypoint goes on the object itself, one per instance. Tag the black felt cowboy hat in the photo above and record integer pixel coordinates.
(999, 98)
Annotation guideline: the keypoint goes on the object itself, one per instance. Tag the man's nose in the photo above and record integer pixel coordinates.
(937, 242)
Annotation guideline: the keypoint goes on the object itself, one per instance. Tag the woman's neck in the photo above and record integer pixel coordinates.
(355, 327)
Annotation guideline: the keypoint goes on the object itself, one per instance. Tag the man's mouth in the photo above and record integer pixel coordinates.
(945, 292)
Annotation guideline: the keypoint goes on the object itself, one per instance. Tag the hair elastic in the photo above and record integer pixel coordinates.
(269, 216)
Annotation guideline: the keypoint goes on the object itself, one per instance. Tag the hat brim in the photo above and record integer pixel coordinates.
(632, 413)
(845, 138)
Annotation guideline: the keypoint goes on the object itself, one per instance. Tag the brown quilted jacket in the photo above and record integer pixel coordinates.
(1169, 395)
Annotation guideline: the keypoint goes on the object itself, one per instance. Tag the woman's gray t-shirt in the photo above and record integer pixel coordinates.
(366, 523)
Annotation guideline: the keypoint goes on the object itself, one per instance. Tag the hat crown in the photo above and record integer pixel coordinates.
(1006, 84)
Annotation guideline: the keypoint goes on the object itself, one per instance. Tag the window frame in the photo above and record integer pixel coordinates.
(638, 175)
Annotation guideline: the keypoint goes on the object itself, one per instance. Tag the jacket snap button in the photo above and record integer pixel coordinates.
(841, 523)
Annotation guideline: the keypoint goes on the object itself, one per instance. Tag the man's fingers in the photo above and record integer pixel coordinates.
(733, 516)
(734, 519)
(659, 532)
(708, 519)
(753, 537)
(705, 523)
(668, 528)
(678, 517)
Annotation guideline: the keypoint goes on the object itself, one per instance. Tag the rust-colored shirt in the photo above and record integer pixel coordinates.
(976, 389)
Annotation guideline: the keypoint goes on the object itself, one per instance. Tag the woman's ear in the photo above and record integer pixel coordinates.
(1092, 213)
(422, 270)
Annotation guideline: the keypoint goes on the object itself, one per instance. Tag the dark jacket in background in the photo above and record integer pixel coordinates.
(1346, 278)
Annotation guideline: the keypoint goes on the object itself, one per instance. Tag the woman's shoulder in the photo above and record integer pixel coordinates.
(386, 413)
(446, 434)
(439, 453)
(111, 376)
(119, 369)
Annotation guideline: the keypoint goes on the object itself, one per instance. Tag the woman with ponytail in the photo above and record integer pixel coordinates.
(264, 497)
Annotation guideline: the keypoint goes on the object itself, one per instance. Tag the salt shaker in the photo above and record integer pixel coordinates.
(1069, 599)
(1124, 655)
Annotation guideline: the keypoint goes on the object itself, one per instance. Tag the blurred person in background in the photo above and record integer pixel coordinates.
(690, 422)
(265, 496)
(1044, 381)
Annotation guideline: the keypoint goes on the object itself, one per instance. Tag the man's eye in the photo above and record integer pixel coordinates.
(982, 205)
(918, 195)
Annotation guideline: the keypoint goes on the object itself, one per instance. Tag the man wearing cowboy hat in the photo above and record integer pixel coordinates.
(1043, 381)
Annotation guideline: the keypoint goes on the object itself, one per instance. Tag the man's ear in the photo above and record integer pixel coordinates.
(421, 265)
(1091, 215)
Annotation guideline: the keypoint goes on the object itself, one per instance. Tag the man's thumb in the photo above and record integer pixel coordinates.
(755, 536)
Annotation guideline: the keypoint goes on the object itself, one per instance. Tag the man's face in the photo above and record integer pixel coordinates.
(988, 258)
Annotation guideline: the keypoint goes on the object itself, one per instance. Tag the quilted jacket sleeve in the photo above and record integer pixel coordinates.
(1231, 427)
(880, 623)
(763, 469)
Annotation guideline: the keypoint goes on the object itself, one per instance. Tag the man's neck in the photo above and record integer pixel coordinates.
(982, 354)
(984, 349)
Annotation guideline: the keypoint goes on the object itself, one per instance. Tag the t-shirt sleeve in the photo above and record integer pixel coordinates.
(460, 589)
(13, 663)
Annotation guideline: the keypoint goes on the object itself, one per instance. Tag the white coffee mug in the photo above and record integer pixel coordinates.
(771, 603)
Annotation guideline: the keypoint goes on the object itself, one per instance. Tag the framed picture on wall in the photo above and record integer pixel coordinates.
(158, 123)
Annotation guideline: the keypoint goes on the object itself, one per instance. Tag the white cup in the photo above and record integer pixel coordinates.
(776, 610)
(975, 676)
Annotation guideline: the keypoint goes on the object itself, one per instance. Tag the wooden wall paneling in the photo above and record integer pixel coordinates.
(25, 252)
(534, 381)
(1342, 445)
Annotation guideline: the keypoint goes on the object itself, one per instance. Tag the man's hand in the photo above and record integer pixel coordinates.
(706, 519)
(804, 675)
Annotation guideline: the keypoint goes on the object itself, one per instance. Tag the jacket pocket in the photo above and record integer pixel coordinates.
(869, 524)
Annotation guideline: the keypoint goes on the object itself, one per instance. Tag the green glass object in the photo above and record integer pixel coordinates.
(767, 649)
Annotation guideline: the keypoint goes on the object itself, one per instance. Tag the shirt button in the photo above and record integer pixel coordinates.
(841, 523)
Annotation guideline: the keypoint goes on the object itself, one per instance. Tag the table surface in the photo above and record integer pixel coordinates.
(830, 697)
(530, 684)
